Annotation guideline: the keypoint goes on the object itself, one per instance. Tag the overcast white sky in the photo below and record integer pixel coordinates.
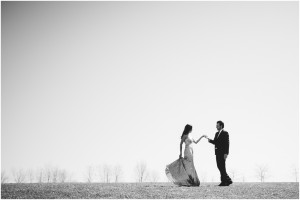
(93, 83)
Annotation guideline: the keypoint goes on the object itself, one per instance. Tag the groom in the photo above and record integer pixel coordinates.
(221, 142)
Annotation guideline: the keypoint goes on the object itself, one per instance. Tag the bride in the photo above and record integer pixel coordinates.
(182, 172)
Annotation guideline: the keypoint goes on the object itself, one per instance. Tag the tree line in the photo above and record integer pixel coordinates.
(48, 174)
(114, 174)
(101, 173)
(109, 173)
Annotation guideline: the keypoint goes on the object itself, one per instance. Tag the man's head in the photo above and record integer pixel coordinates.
(220, 125)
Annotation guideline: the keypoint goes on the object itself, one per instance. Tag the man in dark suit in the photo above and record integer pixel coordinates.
(221, 142)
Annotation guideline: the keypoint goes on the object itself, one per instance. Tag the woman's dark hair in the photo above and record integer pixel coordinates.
(187, 129)
(220, 123)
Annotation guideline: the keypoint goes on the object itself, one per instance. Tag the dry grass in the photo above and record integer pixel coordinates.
(149, 191)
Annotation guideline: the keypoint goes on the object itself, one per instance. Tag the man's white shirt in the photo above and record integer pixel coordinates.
(219, 133)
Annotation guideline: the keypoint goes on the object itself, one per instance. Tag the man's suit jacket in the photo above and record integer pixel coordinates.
(221, 143)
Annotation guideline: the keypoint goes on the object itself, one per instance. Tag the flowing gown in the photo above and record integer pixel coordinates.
(182, 171)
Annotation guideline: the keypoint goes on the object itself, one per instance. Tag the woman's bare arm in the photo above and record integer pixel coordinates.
(199, 139)
(181, 142)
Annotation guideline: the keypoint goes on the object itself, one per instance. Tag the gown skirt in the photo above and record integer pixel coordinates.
(182, 171)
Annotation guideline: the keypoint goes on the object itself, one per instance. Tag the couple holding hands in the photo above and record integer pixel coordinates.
(182, 172)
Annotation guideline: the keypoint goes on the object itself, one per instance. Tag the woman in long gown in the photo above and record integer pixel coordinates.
(182, 172)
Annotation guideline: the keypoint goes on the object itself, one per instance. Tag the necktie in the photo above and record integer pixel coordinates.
(219, 134)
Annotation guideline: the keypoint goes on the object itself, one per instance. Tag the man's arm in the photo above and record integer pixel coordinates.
(211, 141)
(226, 143)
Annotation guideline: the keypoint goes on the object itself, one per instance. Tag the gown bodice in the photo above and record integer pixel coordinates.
(188, 141)
(188, 150)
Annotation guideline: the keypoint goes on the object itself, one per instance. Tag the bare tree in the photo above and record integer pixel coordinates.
(243, 178)
(295, 172)
(107, 173)
(4, 177)
(141, 171)
(40, 175)
(99, 173)
(19, 175)
(90, 174)
(62, 175)
(262, 172)
(54, 173)
(154, 176)
(117, 173)
(70, 177)
(166, 179)
(30, 175)
(233, 174)
(203, 177)
(48, 173)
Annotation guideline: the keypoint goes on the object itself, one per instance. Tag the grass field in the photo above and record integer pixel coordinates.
(149, 191)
